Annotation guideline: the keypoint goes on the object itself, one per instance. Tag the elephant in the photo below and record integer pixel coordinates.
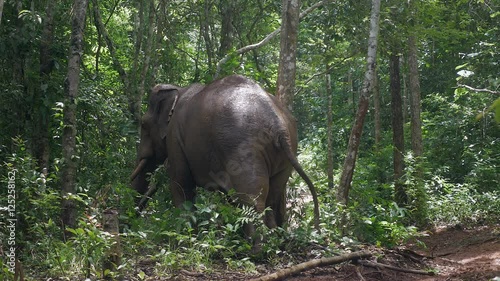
(230, 134)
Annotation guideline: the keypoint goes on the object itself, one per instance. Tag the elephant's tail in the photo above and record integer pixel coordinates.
(284, 142)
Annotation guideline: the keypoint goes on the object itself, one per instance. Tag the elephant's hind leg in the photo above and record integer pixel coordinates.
(252, 192)
(277, 196)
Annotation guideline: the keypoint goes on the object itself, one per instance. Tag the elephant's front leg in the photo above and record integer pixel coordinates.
(182, 185)
(182, 191)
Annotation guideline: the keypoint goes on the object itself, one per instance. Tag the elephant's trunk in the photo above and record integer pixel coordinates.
(138, 169)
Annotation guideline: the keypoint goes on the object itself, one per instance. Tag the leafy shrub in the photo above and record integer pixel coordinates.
(452, 204)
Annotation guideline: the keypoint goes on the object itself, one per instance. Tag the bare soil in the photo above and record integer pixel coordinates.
(452, 254)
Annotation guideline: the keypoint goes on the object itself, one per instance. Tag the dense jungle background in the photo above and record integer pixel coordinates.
(428, 155)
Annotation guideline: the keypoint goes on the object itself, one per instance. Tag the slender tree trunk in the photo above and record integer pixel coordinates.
(404, 95)
(329, 129)
(148, 49)
(41, 140)
(288, 51)
(420, 205)
(1, 10)
(160, 31)
(357, 129)
(350, 92)
(128, 81)
(376, 111)
(206, 32)
(226, 41)
(101, 28)
(415, 104)
(397, 128)
(68, 171)
(132, 84)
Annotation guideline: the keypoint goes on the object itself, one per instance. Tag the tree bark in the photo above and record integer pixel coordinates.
(288, 52)
(397, 128)
(68, 170)
(357, 129)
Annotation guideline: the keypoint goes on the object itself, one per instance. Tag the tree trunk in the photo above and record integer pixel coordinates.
(329, 129)
(129, 81)
(397, 128)
(226, 41)
(68, 170)
(404, 95)
(288, 51)
(41, 140)
(160, 31)
(1, 10)
(415, 106)
(420, 205)
(148, 49)
(131, 84)
(357, 129)
(206, 29)
(350, 93)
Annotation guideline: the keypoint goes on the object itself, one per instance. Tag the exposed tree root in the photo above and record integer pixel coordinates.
(279, 275)
(381, 265)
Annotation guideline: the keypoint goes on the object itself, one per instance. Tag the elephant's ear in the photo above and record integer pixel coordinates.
(166, 97)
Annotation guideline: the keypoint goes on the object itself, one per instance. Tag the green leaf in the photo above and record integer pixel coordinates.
(203, 223)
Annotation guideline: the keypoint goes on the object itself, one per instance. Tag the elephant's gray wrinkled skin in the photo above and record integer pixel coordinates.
(230, 134)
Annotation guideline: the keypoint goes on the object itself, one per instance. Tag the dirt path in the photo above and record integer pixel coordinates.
(453, 254)
(464, 254)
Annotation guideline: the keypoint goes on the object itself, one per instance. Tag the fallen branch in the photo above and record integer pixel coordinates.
(281, 274)
(381, 265)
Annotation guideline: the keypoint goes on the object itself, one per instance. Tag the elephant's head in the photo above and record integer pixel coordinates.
(152, 148)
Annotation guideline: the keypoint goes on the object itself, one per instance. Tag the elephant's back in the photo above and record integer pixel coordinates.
(238, 107)
(233, 119)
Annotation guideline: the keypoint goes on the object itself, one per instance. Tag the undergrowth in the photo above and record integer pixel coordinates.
(208, 234)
